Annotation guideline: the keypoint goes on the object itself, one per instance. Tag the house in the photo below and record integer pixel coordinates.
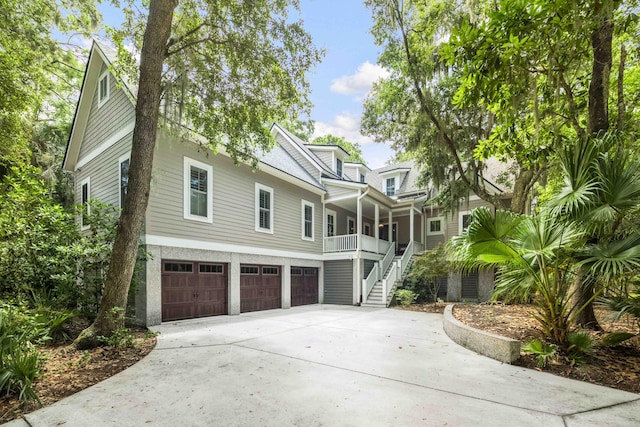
(440, 226)
(304, 227)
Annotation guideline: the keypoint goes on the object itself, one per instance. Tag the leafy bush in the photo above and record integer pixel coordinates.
(427, 271)
(19, 360)
(580, 344)
(543, 351)
(406, 297)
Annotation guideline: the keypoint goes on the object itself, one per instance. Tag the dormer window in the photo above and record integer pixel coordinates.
(103, 88)
(391, 186)
(362, 178)
(339, 167)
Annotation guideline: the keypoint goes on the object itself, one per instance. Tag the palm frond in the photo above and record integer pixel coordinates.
(611, 259)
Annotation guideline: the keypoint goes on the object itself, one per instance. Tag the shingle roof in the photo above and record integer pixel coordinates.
(280, 159)
(303, 146)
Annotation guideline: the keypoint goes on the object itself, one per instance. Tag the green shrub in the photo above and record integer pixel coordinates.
(19, 360)
(426, 275)
(543, 351)
(406, 297)
(580, 344)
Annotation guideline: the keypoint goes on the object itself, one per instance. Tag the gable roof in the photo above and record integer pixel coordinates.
(278, 158)
(301, 146)
(409, 173)
(99, 54)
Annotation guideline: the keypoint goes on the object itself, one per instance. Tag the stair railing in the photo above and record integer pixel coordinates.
(369, 282)
(403, 262)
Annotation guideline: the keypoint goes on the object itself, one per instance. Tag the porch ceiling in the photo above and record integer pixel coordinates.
(368, 207)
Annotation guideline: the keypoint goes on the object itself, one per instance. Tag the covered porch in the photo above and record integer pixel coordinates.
(364, 219)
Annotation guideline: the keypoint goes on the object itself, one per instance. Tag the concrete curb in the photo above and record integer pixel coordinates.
(494, 346)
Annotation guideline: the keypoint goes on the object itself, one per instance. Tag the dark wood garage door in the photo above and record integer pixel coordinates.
(260, 287)
(193, 289)
(304, 286)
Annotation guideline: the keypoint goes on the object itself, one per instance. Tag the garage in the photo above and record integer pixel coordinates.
(193, 289)
(304, 286)
(260, 287)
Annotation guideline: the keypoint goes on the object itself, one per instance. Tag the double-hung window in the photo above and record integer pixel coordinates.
(124, 176)
(307, 220)
(391, 187)
(464, 220)
(198, 190)
(435, 226)
(339, 167)
(85, 196)
(103, 88)
(264, 208)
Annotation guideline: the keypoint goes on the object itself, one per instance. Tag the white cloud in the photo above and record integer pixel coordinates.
(361, 82)
(347, 126)
(344, 125)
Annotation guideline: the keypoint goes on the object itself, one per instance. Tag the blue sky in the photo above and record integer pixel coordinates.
(340, 83)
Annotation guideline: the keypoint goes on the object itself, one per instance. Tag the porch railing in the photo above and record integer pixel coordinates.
(369, 244)
(349, 242)
(344, 243)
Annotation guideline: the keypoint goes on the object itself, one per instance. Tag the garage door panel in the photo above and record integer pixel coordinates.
(260, 288)
(193, 289)
(304, 286)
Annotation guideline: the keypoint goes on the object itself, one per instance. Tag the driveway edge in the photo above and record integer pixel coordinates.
(494, 346)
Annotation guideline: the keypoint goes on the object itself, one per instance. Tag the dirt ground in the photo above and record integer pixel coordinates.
(66, 371)
(616, 367)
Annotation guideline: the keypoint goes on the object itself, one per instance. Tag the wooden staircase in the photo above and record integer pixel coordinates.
(375, 297)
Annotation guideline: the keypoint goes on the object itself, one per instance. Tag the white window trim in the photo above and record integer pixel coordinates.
(341, 174)
(313, 212)
(120, 160)
(335, 222)
(86, 181)
(101, 102)
(188, 162)
(257, 208)
(395, 185)
(460, 215)
(435, 233)
(355, 225)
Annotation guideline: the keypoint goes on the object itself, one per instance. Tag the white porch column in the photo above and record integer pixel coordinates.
(411, 235)
(359, 224)
(375, 225)
(390, 225)
(377, 221)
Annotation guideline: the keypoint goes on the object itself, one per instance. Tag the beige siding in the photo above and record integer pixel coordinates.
(452, 221)
(351, 173)
(326, 157)
(233, 203)
(312, 168)
(103, 173)
(105, 121)
(334, 192)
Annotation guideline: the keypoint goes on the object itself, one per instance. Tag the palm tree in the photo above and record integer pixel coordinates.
(601, 190)
(567, 254)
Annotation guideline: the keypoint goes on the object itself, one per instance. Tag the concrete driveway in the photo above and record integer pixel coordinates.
(330, 365)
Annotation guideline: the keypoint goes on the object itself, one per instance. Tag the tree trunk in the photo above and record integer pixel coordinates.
(601, 45)
(601, 41)
(521, 188)
(125, 247)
